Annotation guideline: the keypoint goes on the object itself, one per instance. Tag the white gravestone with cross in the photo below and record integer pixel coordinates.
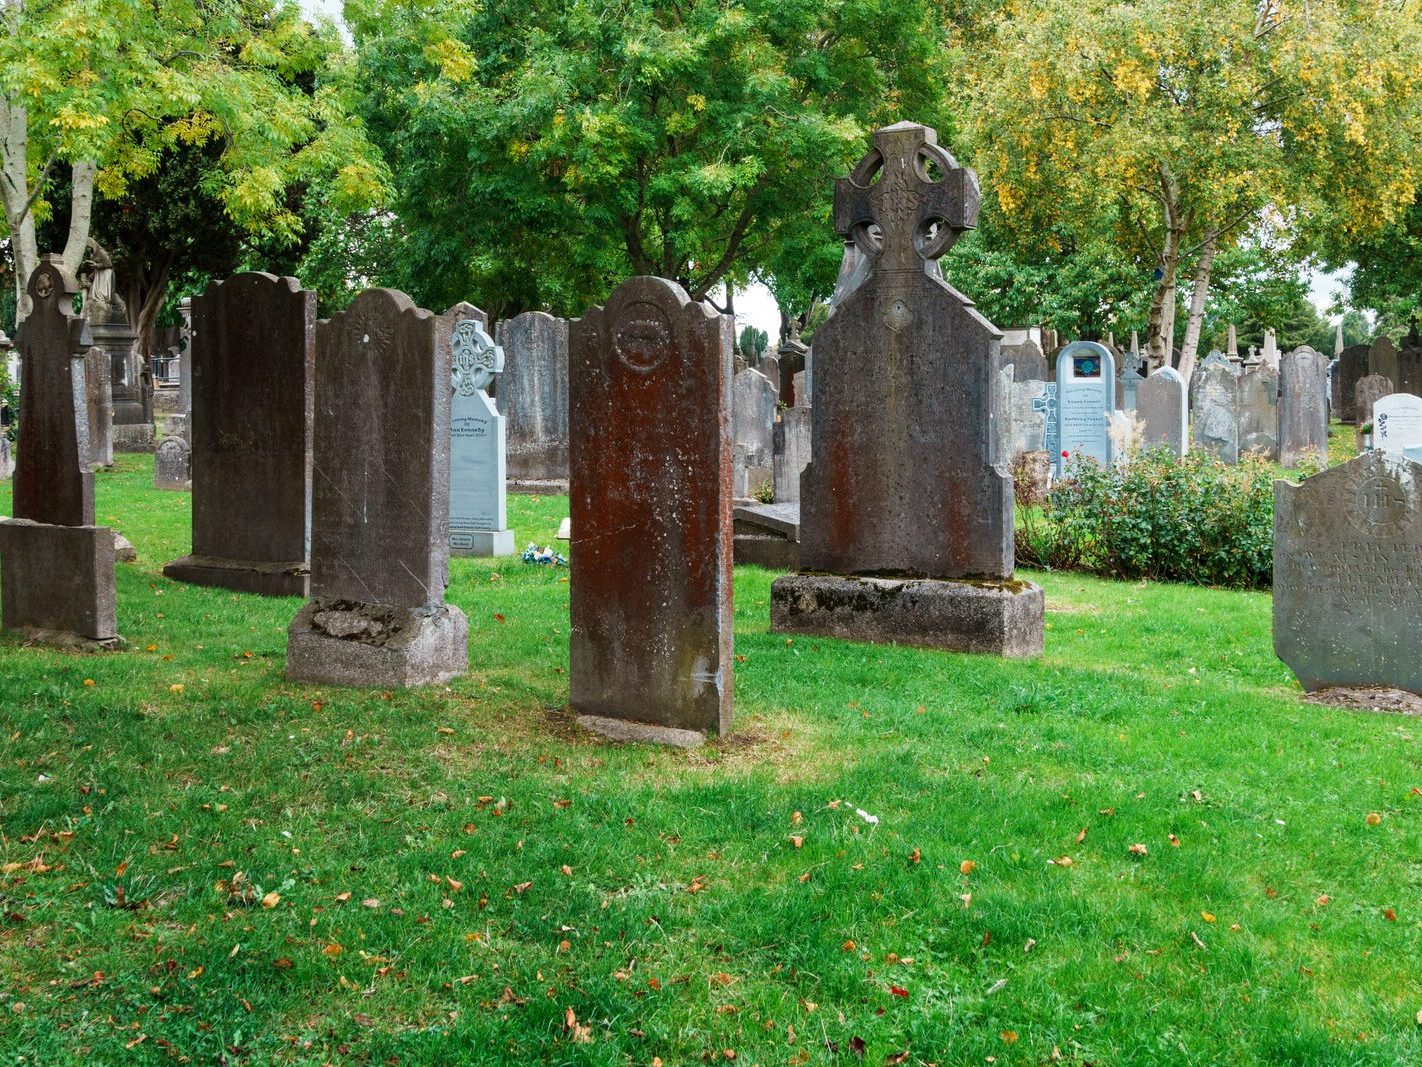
(478, 448)
(1086, 391)
(1397, 423)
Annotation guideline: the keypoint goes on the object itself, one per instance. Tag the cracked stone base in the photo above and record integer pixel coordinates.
(999, 618)
(340, 642)
(624, 730)
(288, 578)
(481, 543)
(65, 641)
(57, 584)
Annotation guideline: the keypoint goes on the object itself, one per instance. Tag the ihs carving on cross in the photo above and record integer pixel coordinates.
(907, 217)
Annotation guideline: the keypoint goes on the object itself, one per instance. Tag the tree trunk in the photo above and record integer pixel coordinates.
(16, 196)
(144, 293)
(1200, 290)
(81, 214)
(1160, 335)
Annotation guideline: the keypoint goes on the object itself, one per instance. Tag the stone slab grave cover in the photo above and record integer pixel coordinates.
(533, 397)
(1214, 422)
(650, 418)
(1348, 574)
(1259, 411)
(1303, 408)
(768, 535)
(1352, 368)
(380, 506)
(1162, 412)
(478, 495)
(56, 565)
(792, 452)
(1397, 424)
(752, 432)
(1086, 391)
(253, 359)
(906, 506)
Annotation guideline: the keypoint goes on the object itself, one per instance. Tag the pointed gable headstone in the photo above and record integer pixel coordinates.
(908, 490)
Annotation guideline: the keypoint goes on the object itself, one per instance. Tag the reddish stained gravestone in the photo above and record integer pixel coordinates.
(650, 435)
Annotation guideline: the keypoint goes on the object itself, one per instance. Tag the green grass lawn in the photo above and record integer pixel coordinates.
(205, 864)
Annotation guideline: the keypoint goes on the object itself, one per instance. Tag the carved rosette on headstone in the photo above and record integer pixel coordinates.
(478, 447)
(56, 566)
(380, 505)
(650, 406)
(1162, 412)
(533, 397)
(253, 359)
(1303, 408)
(1348, 574)
(906, 506)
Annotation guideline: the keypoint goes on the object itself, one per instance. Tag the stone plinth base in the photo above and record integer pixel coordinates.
(538, 486)
(57, 584)
(1001, 618)
(135, 437)
(624, 730)
(342, 642)
(767, 535)
(243, 575)
(481, 543)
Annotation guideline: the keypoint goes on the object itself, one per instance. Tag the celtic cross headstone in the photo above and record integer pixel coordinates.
(478, 445)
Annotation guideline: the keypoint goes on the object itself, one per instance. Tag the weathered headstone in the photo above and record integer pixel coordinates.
(792, 355)
(650, 421)
(1026, 360)
(1086, 391)
(1409, 362)
(185, 356)
(1303, 408)
(770, 366)
(1352, 368)
(1348, 574)
(1259, 411)
(799, 391)
(1215, 413)
(478, 495)
(1129, 379)
(1397, 422)
(533, 397)
(1232, 344)
(1162, 412)
(1382, 359)
(1270, 355)
(1028, 417)
(792, 453)
(173, 464)
(907, 505)
(380, 507)
(752, 431)
(99, 405)
(253, 360)
(56, 566)
(1369, 391)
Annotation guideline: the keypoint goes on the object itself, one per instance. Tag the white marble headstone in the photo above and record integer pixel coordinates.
(478, 448)
(1397, 423)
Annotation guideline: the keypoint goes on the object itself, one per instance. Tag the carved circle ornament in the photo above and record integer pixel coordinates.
(1379, 504)
(899, 316)
(642, 337)
(475, 358)
(366, 326)
(44, 285)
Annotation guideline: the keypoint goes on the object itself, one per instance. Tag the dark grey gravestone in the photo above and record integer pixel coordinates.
(380, 505)
(1369, 391)
(108, 323)
(57, 579)
(1027, 361)
(1352, 368)
(253, 360)
(1382, 359)
(99, 404)
(752, 431)
(768, 535)
(1409, 362)
(1214, 418)
(185, 357)
(173, 464)
(792, 355)
(1259, 411)
(533, 396)
(650, 406)
(1348, 574)
(1303, 408)
(907, 488)
(792, 453)
(1162, 413)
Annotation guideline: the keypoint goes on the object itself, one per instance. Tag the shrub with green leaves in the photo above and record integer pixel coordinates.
(1193, 520)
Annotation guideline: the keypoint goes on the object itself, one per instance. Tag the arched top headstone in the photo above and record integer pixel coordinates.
(648, 327)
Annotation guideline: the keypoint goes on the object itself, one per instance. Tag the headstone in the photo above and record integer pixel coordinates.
(56, 566)
(753, 432)
(1086, 391)
(173, 464)
(1303, 408)
(1054, 424)
(1397, 423)
(768, 535)
(1259, 411)
(1162, 412)
(907, 506)
(1338, 345)
(1129, 380)
(380, 509)
(792, 355)
(1348, 574)
(1028, 419)
(185, 357)
(1026, 361)
(799, 392)
(533, 397)
(1270, 355)
(770, 367)
(99, 405)
(253, 360)
(1352, 368)
(1369, 391)
(478, 495)
(1232, 344)
(1215, 413)
(1382, 359)
(1335, 372)
(131, 407)
(650, 406)
(1409, 362)
(792, 453)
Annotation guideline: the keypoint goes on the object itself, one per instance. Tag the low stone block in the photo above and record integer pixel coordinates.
(625, 730)
(1002, 618)
(344, 642)
(481, 543)
(767, 535)
(57, 584)
(135, 437)
(290, 578)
